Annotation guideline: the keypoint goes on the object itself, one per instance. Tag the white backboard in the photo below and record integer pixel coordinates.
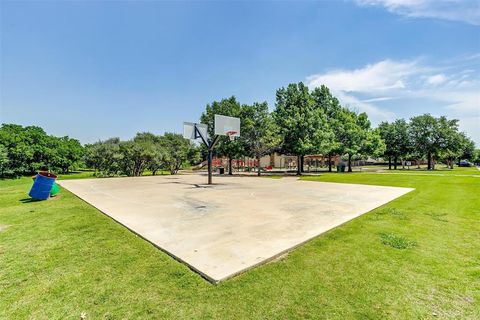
(189, 130)
(227, 125)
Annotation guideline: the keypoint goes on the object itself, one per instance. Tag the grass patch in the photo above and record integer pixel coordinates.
(437, 216)
(393, 212)
(397, 242)
(62, 257)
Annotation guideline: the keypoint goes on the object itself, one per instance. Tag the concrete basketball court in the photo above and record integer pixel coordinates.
(238, 223)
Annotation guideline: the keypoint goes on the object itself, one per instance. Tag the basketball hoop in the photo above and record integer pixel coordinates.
(223, 126)
(231, 135)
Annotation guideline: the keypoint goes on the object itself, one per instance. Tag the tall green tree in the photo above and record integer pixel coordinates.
(387, 132)
(332, 109)
(402, 140)
(350, 134)
(424, 135)
(68, 153)
(227, 107)
(302, 124)
(259, 133)
(397, 143)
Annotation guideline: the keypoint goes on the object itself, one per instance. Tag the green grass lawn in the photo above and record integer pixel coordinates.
(439, 169)
(417, 257)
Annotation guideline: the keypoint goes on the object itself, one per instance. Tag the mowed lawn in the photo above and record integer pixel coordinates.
(416, 257)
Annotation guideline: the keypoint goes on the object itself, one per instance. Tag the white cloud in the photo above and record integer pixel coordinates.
(378, 99)
(436, 79)
(376, 114)
(373, 79)
(382, 76)
(454, 10)
(456, 90)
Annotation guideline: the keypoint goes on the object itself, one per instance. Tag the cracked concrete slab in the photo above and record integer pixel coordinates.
(234, 225)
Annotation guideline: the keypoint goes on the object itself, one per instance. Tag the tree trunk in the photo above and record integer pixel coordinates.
(349, 163)
(258, 165)
(429, 161)
(230, 166)
(395, 163)
(389, 163)
(302, 159)
(299, 171)
(329, 163)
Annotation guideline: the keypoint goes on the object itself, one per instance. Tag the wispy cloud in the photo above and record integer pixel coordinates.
(379, 77)
(378, 99)
(452, 89)
(454, 10)
(436, 79)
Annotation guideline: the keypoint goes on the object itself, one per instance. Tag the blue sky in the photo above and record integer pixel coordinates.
(94, 70)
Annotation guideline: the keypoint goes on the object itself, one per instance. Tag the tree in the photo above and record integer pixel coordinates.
(302, 124)
(455, 146)
(139, 153)
(4, 167)
(259, 132)
(468, 148)
(350, 135)
(92, 156)
(332, 109)
(423, 133)
(438, 137)
(157, 161)
(30, 149)
(476, 157)
(68, 153)
(373, 144)
(395, 136)
(402, 140)
(135, 157)
(20, 155)
(178, 151)
(227, 107)
(387, 132)
(105, 157)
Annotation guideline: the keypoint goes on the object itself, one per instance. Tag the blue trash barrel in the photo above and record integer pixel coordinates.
(42, 185)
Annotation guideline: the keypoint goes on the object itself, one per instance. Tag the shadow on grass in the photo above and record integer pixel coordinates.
(28, 200)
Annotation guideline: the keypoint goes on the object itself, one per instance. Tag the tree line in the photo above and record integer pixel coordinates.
(426, 137)
(314, 122)
(303, 122)
(145, 152)
(25, 150)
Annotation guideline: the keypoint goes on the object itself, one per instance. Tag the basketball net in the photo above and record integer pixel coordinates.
(231, 135)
